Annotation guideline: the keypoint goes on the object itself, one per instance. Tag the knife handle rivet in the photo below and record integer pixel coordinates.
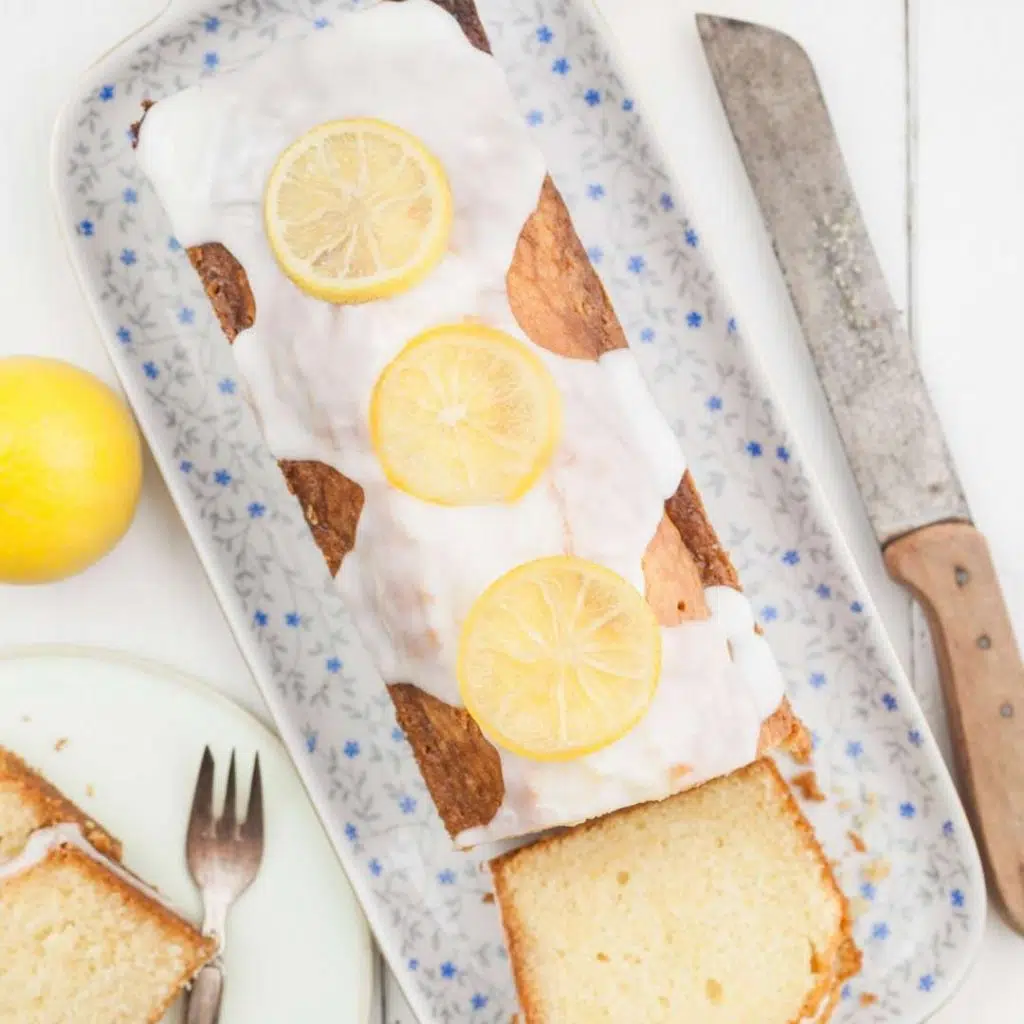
(984, 641)
(1006, 710)
(962, 576)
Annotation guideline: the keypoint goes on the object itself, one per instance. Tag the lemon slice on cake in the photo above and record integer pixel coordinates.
(465, 414)
(558, 658)
(357, 210)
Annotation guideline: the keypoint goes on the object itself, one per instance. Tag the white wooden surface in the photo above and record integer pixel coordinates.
(150, 596)
(968, 271)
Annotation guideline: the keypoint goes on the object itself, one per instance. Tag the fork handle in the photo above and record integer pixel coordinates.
(204, 998)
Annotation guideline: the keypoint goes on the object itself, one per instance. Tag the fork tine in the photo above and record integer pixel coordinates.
(228, 823)
(200, 819)
(252, 827)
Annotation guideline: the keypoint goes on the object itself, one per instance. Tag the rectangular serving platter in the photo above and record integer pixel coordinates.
(916, 886)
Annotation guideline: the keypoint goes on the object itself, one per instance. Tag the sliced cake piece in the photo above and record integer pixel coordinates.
(28, 803)
(82, 940)
(81, 937)
(715, 906)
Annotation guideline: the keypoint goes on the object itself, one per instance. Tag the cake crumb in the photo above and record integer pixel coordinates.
(90, 790)
(868, 999)
(870, 811)
(60, 744)
(603, 957)
(488, 897)
(856, 841)
(806, 784)
(26, 718)
(878, 870)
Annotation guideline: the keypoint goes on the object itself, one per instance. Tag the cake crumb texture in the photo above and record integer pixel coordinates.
(715, 906)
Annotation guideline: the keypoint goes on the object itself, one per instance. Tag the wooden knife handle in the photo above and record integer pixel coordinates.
(949, 569)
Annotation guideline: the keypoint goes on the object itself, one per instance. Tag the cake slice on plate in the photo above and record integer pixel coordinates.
(81, 938)
(716, 906)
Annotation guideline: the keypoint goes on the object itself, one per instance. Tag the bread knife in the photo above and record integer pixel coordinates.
(892, 436)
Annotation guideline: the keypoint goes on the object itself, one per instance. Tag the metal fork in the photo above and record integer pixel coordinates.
(223, 858)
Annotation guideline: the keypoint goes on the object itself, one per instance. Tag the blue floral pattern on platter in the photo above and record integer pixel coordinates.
(916, 885)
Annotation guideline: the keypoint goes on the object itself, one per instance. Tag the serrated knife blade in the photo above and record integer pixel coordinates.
(888, 426)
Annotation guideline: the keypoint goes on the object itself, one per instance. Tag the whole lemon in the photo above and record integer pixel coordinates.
(70, 469)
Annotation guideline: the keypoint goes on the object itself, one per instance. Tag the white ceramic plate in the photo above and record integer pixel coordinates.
(123, 739)
(918, 889)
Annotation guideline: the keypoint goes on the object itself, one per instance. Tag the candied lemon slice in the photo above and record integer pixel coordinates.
(465, 414)
(357, 210)
(558, 658)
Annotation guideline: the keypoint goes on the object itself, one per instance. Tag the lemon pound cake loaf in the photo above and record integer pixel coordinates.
(715, 906)
(81, 938)
(448, 392)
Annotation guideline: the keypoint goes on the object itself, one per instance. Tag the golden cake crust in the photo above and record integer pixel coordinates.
(49, 805)
(559, 302)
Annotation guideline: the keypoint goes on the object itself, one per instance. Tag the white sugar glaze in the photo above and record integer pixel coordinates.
(309, 368)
